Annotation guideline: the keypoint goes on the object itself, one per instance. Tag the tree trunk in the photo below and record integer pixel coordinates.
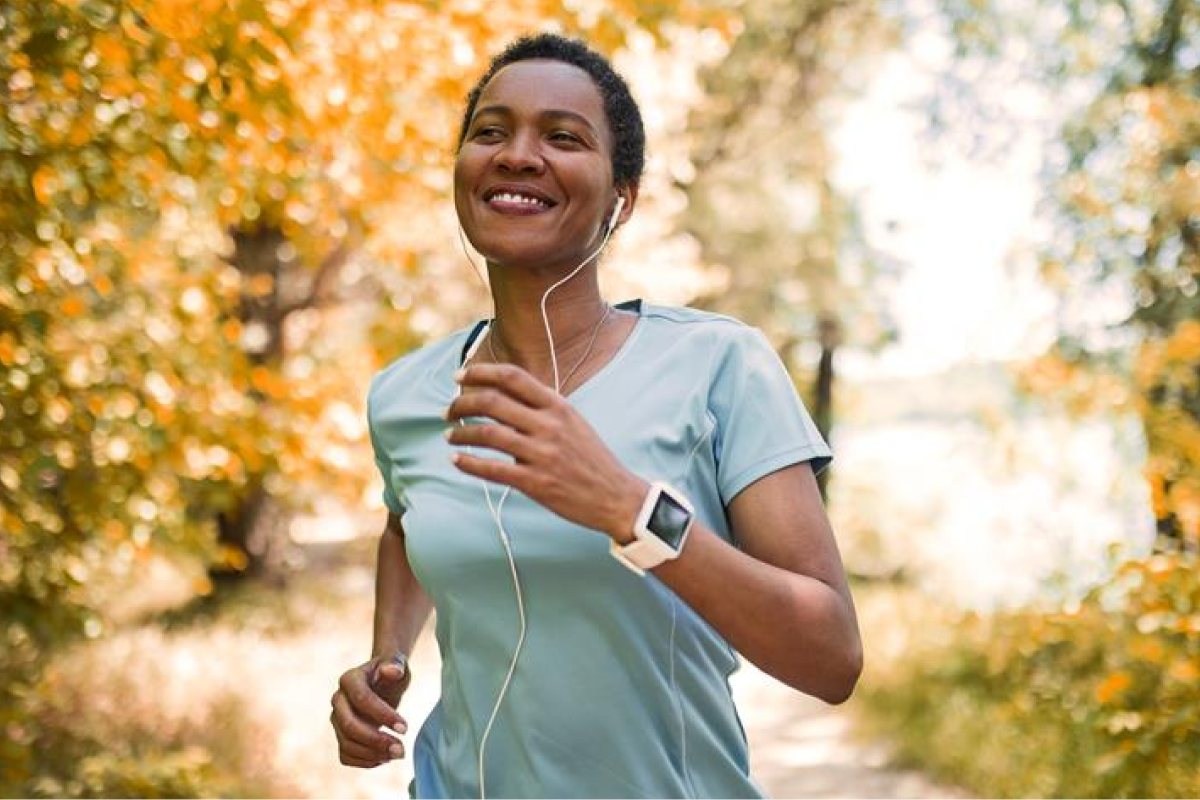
(251, 531)
(1171, 463)
(829, 334)
(256, 530)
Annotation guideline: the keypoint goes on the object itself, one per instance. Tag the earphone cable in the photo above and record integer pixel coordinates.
(462, 241)
(612, 224)
(497, 509)
(512, 666)
(587, 351)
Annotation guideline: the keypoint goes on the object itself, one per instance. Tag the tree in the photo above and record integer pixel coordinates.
(1124, 187)
(762, 203)
(183, 189)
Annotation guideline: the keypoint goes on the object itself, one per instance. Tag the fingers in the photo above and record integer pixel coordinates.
(494, 403)
(366, 703)
(359, 743)
(510, 379)
(494, 437)
(390, 673)
(490, 469)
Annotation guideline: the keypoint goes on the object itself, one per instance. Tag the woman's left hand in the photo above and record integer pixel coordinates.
(561, 462)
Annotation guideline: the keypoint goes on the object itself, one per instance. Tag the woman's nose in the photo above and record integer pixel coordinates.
(521, 153)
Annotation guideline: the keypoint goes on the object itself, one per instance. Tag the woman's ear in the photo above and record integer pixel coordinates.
(629, 192)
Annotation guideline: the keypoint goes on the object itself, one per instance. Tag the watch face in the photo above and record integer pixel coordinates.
(669, 521)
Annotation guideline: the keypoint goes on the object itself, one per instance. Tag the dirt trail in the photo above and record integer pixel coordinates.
(801, 747)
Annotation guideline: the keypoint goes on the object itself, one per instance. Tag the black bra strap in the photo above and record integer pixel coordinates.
(470, 340)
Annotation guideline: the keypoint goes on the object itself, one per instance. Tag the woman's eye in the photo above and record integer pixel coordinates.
(489, 132)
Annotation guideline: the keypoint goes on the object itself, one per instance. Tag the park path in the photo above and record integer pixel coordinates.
(799, 746)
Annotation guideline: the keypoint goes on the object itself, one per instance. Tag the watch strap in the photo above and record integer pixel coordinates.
(631, 554)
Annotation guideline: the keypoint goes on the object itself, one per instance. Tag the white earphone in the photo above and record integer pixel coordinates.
(496, 508)
(616, 215)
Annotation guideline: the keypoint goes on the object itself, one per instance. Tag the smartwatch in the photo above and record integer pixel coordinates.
(661, 528)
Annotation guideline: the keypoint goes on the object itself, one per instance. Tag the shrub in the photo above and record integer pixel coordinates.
(117, 719)
(1095, 700)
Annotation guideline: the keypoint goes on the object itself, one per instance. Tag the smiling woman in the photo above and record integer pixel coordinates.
(536, 145)
(599, 545)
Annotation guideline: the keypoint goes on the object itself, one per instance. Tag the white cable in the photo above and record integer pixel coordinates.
(462, 241)
(612, 224)
(495, 511)
(498, 507)
(512, 667)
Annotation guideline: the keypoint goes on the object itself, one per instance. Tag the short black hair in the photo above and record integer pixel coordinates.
(624, 116)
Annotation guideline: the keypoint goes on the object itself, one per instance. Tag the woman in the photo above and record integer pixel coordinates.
(597, 541)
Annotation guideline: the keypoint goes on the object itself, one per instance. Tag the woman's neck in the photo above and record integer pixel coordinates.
(519, 334)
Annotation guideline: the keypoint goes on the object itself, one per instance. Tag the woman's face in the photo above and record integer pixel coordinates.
(533, 179)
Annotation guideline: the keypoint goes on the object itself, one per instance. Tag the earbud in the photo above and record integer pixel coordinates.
(612, 221)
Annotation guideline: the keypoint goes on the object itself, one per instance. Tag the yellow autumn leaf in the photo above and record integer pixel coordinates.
(1184, 344)
(113, 53)
(1148, 649)
(115, 530)
(45, 184)
(1184, 670)
(1115, 683)
(8, 349)
(72, 306)
(268, 382)
(233, 557)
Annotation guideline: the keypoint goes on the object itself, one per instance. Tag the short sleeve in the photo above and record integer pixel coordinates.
(390, 499)
(761, 424)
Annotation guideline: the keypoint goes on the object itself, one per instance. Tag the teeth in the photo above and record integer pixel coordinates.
(509, 197)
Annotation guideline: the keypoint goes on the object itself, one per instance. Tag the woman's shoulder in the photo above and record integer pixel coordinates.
(423, 363)
(703, 328)
(688, 316)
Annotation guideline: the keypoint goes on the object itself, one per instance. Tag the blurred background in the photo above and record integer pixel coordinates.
(970, 227)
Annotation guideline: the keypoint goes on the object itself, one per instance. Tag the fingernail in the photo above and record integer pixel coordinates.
(396, 751)
(447, 433)
(454, 458)
(401, 726)
(458, 376)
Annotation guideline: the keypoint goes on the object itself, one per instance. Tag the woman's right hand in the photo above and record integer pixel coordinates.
(366, 698)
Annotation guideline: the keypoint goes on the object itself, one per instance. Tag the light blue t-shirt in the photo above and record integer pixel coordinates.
(621, 690)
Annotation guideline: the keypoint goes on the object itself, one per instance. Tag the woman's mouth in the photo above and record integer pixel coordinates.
(516, 202)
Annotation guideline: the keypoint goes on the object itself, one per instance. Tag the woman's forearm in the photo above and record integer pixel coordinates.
(781, 599)
(401, 605)
(793, 627)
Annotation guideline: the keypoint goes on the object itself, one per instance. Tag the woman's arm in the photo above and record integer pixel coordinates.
(781, 600)
(368, 694)
(401, 605)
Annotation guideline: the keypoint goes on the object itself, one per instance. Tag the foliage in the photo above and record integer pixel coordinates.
(1124, 180)
(193, 198)
(105, 730)
(1167, 378)
(761, 202)
(1095, 700)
